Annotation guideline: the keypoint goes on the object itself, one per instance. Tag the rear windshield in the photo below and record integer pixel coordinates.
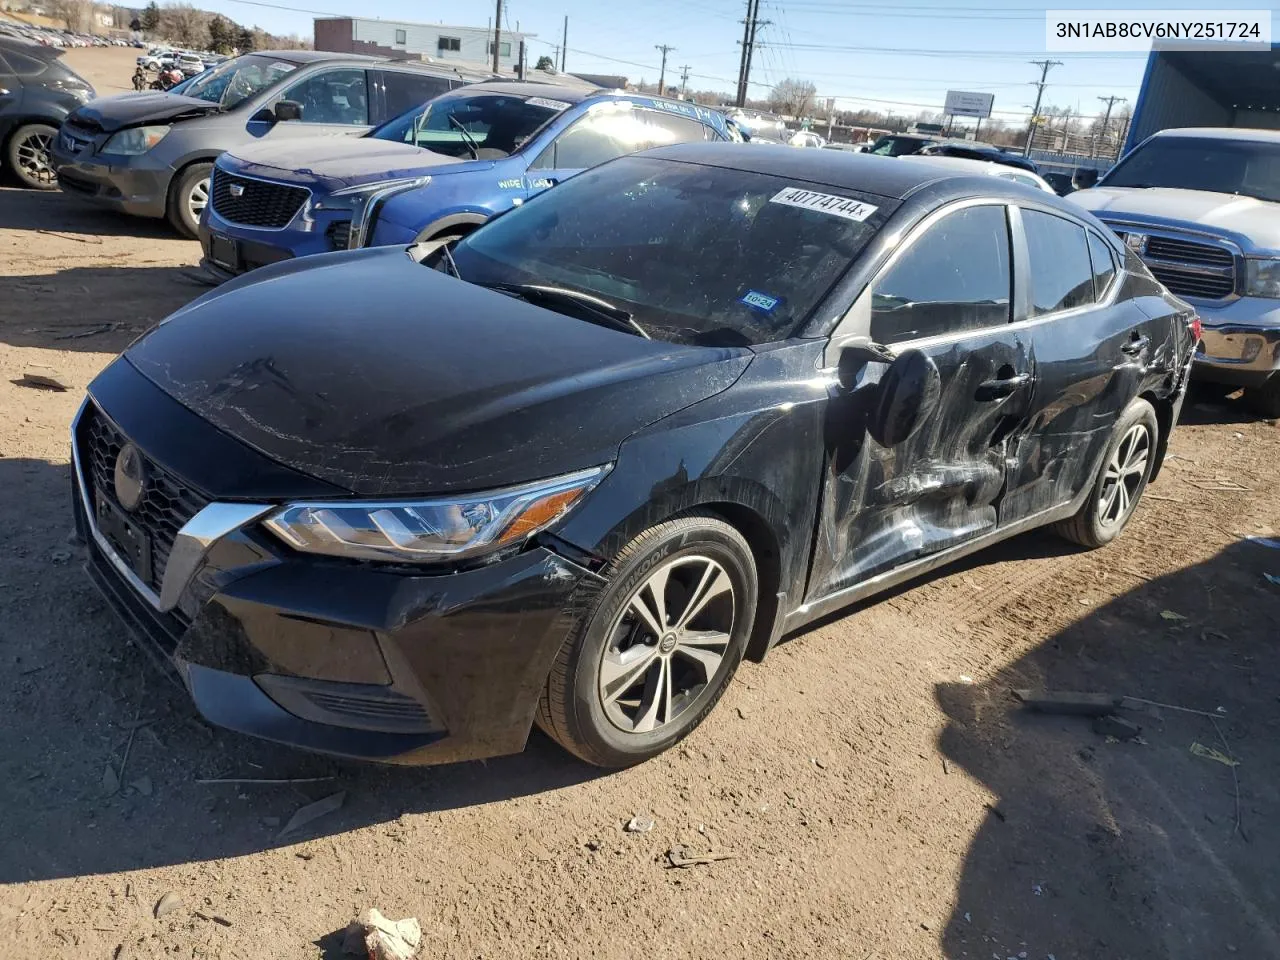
(478, 125)
(1247, 168)
(897, 146)
(237, 80)
(696, 254)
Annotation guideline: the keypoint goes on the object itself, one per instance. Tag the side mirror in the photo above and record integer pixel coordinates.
(907, 396)
(288, 110)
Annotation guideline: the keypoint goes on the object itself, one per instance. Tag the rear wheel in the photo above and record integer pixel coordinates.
(28, 155)
(1126, 467)
(1266, 398)
(663, 641)
(188, 196)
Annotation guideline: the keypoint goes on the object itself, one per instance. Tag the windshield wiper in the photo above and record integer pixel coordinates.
(466, 135)
(597, 310)
(447, 255)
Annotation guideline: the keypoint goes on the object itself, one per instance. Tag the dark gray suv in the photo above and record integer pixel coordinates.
(36, 94)
(150, 154)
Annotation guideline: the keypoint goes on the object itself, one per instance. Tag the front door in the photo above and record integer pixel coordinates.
(948, 293)
(334, 101)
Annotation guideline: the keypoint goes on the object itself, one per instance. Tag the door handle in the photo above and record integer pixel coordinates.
(1135, 346)
(1002, 387)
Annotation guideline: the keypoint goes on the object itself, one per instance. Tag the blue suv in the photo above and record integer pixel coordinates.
(440, 169)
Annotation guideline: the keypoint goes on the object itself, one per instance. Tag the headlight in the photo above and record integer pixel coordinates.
(135, 141)
(364, 201)
(431, 530)
(1262, 278)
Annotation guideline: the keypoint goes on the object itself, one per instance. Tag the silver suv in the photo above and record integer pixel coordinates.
(1201, 207)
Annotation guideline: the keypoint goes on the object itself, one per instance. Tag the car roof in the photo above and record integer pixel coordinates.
(963, 165)
(1222, 133)
(522, 88)
(868, 173)
(313, 56)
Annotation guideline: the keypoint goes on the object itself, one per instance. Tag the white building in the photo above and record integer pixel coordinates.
(411, 41)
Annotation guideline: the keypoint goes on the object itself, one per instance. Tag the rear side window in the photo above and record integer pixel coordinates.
(404, 91)
(23, 65)
(1104, 265)
(672, 128)
(1061, 273)
(956, 277)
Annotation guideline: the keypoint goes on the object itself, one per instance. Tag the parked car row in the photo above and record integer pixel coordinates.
(48, 37)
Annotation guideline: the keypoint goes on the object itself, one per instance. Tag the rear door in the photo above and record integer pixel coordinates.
(1094, 353)
(392, 92)
(948, 292)
(10, 91)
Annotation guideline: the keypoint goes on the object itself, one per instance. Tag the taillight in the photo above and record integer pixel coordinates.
(1197, 327)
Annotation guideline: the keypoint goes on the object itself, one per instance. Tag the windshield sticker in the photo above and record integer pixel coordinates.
(549, 104)
(761, 301)
(845, 207)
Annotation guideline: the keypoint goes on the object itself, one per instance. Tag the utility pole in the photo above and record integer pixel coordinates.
(564, 44)
(1045, 66)
(684, 80)
(749, 26)
(1106, 120)
(497, 36)
(662, 74)
(756, 23)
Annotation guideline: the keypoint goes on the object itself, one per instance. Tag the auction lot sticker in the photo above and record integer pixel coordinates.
(845, 207)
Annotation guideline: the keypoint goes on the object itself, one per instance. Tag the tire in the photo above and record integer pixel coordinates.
(1121, 479)
(602, 698)
(188, 194)
(1265, 400)
(27, 154)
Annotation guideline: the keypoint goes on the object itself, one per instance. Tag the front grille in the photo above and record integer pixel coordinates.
(387, 711)
(75, 183)
(262, 203)
(1187, 267)
(1188, 283)
(167, 502)
(339, 234)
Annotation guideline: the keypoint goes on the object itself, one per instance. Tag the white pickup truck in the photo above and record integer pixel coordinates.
(1201, 207)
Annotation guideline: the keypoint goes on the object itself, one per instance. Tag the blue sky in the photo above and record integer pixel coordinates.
(904, 55)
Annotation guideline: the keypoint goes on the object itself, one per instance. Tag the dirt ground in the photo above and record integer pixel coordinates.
(880, 793)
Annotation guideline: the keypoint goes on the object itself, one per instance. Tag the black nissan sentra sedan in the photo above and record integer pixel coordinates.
(401, 504)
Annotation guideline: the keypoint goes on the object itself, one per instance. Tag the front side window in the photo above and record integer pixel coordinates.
(678, 128)
(955, 277)
(470, 126)
(1061, 274)
(332, 96)
(406, 91)
(236, 80)
(606, 134)
(695, 254)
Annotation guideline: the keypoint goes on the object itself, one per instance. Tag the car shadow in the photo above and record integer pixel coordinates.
(52, 211)
(92, 309)
(106, 766)
(1151, 823)
(1213, 405)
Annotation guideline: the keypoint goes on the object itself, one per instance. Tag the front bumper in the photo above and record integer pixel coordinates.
(134, 185)
(352, 659)
(1240, 343)
(257, 247)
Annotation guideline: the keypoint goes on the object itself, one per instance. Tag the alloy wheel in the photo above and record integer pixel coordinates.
(667, 645)
(1124, 475)
(33, 157)
(198, 199)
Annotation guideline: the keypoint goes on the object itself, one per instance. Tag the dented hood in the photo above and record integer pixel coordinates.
(1254, 225)
(388, 378)
(132, 109)
(335, 161)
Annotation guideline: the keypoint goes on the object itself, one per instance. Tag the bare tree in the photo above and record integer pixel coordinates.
(185, 24)
(792, 97)
(77, 15)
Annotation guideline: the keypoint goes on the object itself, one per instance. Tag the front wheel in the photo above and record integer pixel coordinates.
(1126, 467)
(28, 155)
(660, 646)
(188, 196)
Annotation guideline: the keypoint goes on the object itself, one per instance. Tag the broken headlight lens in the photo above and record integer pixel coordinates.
(430, 531)
(1262, 278)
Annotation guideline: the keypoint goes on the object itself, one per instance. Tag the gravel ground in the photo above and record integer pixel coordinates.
(878, 790)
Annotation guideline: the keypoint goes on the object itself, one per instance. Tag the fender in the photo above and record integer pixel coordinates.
(469, 219)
